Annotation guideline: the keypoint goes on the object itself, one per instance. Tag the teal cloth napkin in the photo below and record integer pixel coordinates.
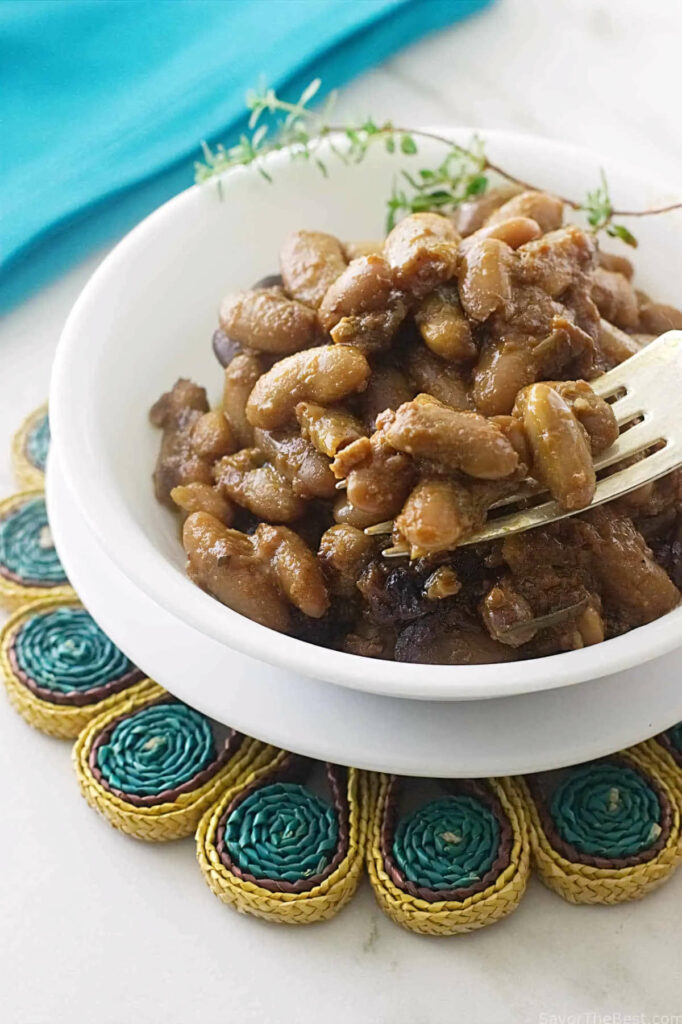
(104, 102)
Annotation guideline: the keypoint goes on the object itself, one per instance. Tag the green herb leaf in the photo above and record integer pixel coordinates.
(460, 176)
(477, 185)
(309, 92)
(625, 235)
(259, 135)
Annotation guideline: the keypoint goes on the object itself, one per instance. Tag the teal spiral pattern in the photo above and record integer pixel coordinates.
(675, 736)
(65, 651)
(159, 748)
(26, 546)
(607, 810)
(282, 832)
(450, 843)
(38, 443)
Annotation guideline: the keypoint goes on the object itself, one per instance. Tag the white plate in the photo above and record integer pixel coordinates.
(506, 736)
(146, 317)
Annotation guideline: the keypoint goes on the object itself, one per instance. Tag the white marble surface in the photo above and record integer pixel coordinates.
(95, 927)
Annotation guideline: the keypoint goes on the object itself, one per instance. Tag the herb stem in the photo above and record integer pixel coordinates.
(496, 169)
(460, 176)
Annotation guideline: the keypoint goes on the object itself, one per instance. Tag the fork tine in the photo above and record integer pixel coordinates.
(653, 358)
(654, 371)
(651, 468)
(627, 408)
(636, 439)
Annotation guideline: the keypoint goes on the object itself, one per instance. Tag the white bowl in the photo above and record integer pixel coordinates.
(146, 317)
(529, 732)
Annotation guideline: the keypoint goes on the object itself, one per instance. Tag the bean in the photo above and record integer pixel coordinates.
(310, 262)
(295, 458)
(546, 210)
(362, 307)
(346, 514)
(324, 375)
(328, 430)
(465, 441)
(561, 453)
(387, 388)
(512, 428)
(472, 214)
(616, 346)
(437, 515)
(591, 411)
(484, 283)
(422, 252)
(379, 477)
(365, 286)
(656, 318)
(443, 325)
(225, 563)
(591, 626)
(609, 261)
(268, 321)
(295, 568)
(212, 436)
(433, 376)
(256, 485)
(200, 497)
(504, 366)
(363, 248)
(226, 348)
(344, 551)
(567, 351)
(557, 260)
(240, 378)
(514, 232)
(615, 298)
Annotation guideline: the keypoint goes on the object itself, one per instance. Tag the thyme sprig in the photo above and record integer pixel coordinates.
(463, 173)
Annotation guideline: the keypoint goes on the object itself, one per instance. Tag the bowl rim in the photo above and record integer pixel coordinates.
(154, 575)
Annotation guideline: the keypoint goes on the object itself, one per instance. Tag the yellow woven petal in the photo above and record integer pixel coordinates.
(450, 917)
(15, 595)
(671, 767)
(158, 822)
(27, 475)
(317, 904)
(61, 720)
(585, 883)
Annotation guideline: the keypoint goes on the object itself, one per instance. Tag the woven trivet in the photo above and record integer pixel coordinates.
(607, 831)
(666, 749)
(29, 449)
(59, 668)
(456, 863)
(273, 848)
(151, 765)
(29, 564)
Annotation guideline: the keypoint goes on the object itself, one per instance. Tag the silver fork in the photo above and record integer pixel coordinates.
(645, 388)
